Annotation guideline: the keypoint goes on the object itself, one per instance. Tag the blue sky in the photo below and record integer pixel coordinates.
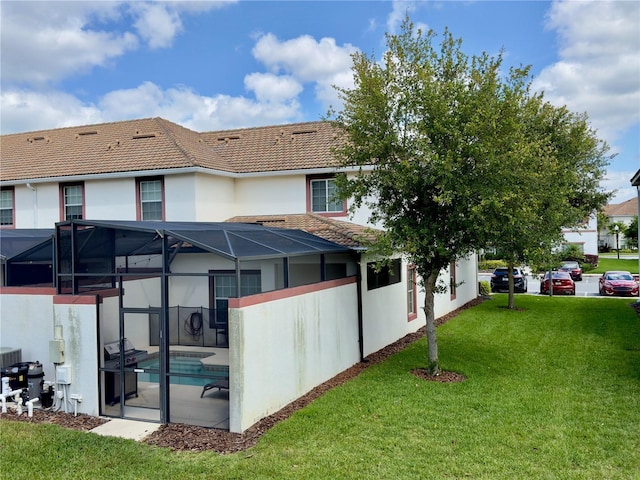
(219, 65)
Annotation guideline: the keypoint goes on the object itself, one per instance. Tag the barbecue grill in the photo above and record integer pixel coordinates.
(112, 360)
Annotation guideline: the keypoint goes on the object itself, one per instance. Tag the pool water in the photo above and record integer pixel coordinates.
(179, 366)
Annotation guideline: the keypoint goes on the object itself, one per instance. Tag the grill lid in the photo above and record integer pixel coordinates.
(112, 350)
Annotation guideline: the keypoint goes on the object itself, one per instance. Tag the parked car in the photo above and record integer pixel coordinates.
(618, 283)
(500, 280)
(573, 268)
(562, 282)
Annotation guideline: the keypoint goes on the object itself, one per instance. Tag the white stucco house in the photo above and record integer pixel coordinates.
(623, 213)
(208, 278)
(585, 237)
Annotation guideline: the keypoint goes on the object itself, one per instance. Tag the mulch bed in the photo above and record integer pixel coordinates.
(181, 437)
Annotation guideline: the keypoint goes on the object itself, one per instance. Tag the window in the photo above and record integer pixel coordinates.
(452, 280)
(150, 199)
(6, 207)
(222, 287)
(72, 201)
(322, 196)
(412, 299)
(381, 276)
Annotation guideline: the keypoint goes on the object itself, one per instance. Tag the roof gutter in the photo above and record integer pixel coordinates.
(175, 171)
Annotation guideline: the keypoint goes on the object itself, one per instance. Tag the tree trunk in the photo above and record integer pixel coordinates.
(433, 368)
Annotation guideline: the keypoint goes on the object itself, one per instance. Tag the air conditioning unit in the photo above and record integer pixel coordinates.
(9, 356)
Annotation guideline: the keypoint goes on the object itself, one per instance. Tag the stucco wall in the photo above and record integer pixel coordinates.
(27, 320)
(282, 348)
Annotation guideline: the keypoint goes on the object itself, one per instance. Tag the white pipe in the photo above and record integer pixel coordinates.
(75, 407)
(30, 405)
(4, 397)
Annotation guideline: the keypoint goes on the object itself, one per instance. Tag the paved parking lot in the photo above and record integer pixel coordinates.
(588, 287)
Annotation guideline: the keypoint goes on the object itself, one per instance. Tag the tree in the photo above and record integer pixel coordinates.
(631, 233)
(429, 132)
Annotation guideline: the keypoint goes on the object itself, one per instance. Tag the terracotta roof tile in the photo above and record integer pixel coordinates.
(343, 233)
(628, 208)
(286, 147)
(157, 144)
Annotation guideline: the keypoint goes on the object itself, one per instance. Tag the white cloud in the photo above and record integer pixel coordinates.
(598, 70)
(272, 88)
(400, 9)
(322, 62)
(27, 111)
(44, 42)
(157, 23)
(620, 183)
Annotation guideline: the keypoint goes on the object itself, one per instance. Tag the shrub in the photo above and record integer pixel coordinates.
(491, 264)
(484, 287)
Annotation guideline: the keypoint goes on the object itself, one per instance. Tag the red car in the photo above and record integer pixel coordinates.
(573, 268)
(562, 284)
(618, 283)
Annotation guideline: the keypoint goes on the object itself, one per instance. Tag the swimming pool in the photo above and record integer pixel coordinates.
(183, 370)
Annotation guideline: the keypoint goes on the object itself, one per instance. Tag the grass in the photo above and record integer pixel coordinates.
(607, 263)
(552, 391)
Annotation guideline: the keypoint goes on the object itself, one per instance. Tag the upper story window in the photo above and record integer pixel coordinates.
(72, 201)
(6, 207)
(322, 194)
(150, 199)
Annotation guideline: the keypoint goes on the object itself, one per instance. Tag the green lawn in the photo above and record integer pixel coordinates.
(612, 263)
(552, 392)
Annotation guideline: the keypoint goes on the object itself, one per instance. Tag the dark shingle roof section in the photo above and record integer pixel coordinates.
(156, 144)
(337, 231)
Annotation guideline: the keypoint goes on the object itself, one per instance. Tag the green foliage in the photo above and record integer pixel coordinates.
(484, 288)
(572, 253)
(491, 264)
(631, 233)
(551, 392)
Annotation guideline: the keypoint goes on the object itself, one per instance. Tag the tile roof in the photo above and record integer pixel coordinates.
(628, 208)
(285, 147)
(157, 144)
(343, 233)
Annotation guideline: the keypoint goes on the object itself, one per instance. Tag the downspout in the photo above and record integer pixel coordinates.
(35, 204)
(360, 320)
(638, 242)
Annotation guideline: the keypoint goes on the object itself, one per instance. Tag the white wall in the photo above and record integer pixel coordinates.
(110, 199)
(37, 314)
(384, 309)
(587, 237)
(281, 349)
(215, 198)
(271, 195)
(39, 208)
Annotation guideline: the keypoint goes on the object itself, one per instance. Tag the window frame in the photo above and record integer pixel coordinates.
(13, 207)
(412, 293)
(63, 205)
(139, 210)
(452, 281)
(388, 275)
(326, 178)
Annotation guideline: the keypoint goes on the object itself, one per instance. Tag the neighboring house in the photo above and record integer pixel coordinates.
(623, 213)
(585, 237)
(275, 301)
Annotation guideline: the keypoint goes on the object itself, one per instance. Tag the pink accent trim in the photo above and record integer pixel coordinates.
(27, 291)
(76, 299)
(288, 292)
(412, 316)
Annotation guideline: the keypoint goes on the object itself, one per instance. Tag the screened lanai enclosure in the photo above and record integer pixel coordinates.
(163, 336)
